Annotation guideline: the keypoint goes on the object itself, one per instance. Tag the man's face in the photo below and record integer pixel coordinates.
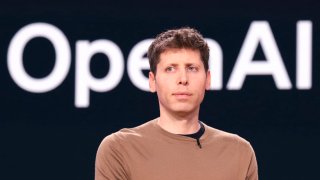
(180, 81)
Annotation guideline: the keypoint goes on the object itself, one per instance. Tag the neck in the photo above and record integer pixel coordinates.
(179, 123)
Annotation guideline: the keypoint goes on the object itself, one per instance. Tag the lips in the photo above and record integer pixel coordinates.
(182, 95)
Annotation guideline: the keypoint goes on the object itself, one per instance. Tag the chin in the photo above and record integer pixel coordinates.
(183, 110)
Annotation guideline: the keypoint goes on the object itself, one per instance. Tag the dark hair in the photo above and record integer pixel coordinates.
(185, 37)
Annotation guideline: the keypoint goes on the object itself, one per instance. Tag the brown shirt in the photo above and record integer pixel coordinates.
(148, 152)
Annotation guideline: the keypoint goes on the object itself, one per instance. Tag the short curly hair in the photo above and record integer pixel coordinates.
(185, 37)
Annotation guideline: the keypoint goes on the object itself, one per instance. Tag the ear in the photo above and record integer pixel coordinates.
(208, 80)
(152, 82)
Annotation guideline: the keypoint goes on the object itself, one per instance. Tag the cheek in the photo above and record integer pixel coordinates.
(160, 86)
(164, 82)
(200, 81)
(200, 87)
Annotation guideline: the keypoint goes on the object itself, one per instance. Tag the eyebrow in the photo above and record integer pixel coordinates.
(187, 64)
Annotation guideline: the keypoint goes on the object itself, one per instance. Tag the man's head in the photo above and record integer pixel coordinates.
(179, 71)
(183, 38)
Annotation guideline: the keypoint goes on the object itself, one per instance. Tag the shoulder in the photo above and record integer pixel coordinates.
(127, 135)
(238, 148)
(115, 151)
(228, 139)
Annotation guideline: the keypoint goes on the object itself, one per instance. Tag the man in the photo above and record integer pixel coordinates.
(176, 145)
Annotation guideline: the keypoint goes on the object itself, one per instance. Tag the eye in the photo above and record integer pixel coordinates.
(169, 69)
(192, 68)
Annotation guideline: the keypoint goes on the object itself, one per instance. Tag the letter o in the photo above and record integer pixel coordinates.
(62, 61)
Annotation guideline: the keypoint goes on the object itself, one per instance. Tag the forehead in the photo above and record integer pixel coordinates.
(176, 55)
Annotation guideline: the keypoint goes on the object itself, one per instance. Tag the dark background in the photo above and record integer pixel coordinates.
(44, 136)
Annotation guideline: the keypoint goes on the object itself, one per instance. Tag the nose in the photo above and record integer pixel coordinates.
(183, 78)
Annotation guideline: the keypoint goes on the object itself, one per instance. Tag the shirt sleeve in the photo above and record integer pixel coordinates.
(110, 164)
(252, 173)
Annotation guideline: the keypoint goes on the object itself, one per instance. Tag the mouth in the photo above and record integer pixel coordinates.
(182, 95)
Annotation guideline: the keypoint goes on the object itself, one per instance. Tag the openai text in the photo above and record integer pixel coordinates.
(259, 33)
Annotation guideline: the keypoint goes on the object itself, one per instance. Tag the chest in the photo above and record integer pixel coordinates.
(186, 161)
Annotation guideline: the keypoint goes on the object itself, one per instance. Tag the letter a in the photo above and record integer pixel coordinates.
(259, 32)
